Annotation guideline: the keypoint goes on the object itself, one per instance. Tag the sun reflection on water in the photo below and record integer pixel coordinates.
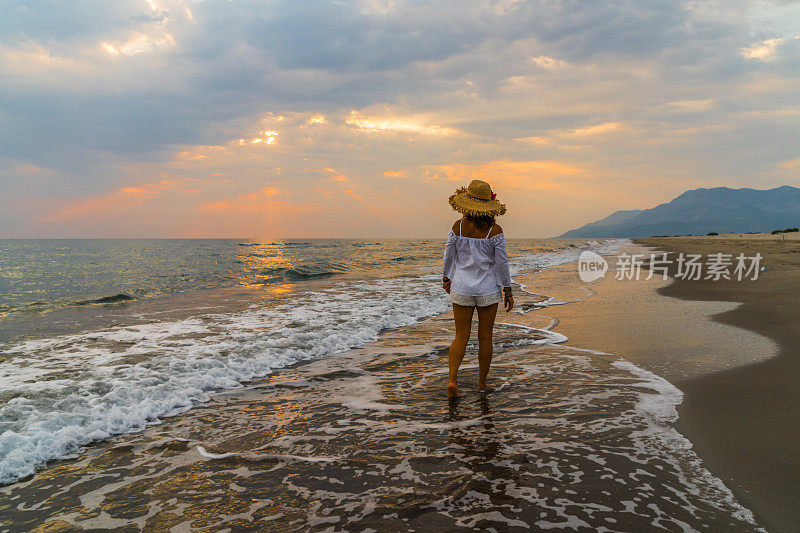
(265, 265)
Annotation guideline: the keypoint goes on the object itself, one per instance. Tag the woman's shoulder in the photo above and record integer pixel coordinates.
(456, 226)
(496, 230)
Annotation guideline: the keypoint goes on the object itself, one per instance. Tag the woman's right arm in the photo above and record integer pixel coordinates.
(449, 265)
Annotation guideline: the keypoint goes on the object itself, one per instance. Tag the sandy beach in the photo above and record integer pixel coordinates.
(730, 346)
(745, 421)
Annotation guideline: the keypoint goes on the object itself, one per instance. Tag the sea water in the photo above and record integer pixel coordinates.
(102, 339)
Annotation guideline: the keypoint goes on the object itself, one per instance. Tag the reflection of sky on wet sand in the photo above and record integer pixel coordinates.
(645, 327)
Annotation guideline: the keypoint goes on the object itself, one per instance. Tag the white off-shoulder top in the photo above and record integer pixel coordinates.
(476, 266)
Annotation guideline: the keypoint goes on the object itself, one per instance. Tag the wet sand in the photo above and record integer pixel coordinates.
(745, 422)
(731, 347)
(676, 339)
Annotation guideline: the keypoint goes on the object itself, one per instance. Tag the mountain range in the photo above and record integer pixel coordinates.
(701, 211)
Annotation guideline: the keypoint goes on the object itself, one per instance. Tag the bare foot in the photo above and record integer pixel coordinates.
(482, 386)
(452, 389)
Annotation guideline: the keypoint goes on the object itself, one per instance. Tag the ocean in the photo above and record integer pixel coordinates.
(300, 384)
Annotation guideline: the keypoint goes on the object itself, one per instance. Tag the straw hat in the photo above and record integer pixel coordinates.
(477, 200)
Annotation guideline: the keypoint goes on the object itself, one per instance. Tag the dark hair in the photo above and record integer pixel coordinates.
(483, 222)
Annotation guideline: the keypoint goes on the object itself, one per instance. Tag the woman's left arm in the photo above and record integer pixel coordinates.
(501, 262)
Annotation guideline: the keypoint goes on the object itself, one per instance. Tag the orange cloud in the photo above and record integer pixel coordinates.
(764, 50)
(534, 140)
(149, 190)
(689, 106)
(600, 128)
(354, 195)
(337, 176)
(267, 200)
(548, 62)
(395, 174)
(117, 200)
(138, 43)
(590, 131)
(401, 124)
(528, 175)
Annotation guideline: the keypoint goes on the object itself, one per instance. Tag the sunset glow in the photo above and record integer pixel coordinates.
(151, 119)
(397, 124)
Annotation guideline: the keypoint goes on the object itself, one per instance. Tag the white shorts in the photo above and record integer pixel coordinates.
(476, 301)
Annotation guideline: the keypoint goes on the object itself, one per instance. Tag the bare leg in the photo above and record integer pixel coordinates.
(463, 318)
(486, 316)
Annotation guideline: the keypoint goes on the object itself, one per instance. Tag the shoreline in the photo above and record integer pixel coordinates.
(730, 347)
(631, 319)
(745, 421)
(382, 383)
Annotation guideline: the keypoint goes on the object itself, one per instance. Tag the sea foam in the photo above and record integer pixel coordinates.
(62, 393)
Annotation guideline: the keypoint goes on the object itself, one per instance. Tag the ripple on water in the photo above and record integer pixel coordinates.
(567, 439)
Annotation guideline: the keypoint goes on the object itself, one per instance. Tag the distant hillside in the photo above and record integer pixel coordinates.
(702, 211)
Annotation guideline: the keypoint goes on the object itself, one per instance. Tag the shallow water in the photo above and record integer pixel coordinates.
(321, 405)
(72, 376)
(367, 439)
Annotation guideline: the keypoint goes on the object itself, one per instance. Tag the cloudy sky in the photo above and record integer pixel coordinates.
(157, 118)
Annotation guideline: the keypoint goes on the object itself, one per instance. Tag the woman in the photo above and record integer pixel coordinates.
(475, 275)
